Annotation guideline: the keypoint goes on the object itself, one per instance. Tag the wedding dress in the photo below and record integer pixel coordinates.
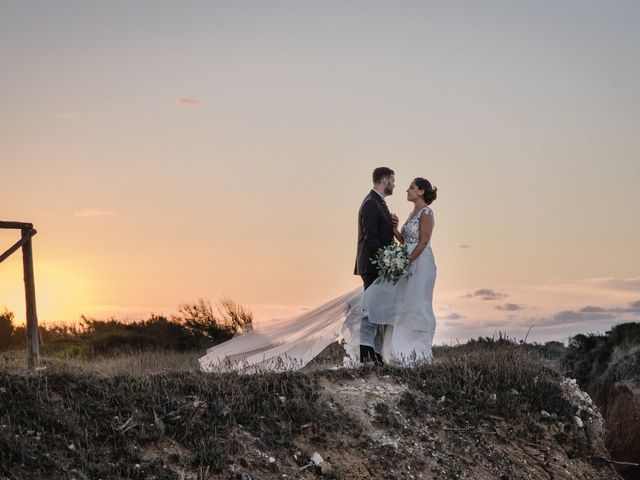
(404, 308)
(291, 343)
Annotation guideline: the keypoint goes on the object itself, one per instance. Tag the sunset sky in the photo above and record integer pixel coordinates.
(171, 151)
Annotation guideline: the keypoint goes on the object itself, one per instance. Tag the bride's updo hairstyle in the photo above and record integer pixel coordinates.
(430, 192)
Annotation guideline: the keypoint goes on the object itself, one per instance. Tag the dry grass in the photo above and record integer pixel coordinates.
(63, 419)
(98, 416)
(467, 378)
(135, 364)
(140, 364)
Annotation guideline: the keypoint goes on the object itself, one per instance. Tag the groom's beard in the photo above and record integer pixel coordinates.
(388, 190)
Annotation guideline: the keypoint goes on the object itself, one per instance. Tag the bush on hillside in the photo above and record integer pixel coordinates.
(198, 326)
(218, 324)
(552, 350)
(6, 328)
(589, 356)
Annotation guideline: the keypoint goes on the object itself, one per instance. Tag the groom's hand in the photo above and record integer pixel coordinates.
(394, 220)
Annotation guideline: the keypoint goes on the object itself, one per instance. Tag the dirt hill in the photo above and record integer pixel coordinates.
(498, 412)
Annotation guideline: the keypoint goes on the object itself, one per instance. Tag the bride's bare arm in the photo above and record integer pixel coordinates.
(426, 229)
(398, 235)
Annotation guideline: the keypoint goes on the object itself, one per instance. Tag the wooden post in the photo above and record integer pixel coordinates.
(33, 343)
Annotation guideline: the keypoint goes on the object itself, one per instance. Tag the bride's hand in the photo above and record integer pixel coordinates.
(394, 220)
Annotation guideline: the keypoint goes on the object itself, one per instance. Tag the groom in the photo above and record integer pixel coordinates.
(375, 230)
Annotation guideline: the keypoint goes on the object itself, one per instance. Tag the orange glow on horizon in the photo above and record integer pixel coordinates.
(62, 293)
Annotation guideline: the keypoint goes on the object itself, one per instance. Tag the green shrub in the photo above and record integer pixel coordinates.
(588, 356)
(199, 326)
(6, 328)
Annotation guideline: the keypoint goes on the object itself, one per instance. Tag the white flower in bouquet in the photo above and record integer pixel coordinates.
(393, 262)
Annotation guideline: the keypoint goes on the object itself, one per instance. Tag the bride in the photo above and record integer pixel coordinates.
(404, 310)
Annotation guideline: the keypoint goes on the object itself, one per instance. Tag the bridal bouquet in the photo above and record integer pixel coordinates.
(393, 262)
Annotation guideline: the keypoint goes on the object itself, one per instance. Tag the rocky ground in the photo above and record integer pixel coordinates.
(499, 413)
(403, 434)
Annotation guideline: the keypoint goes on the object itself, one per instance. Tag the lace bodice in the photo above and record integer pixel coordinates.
(411, 228)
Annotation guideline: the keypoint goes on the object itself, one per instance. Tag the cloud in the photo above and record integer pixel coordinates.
(464, 245)
(591, 309)
(494, 323)
(487, 294)
(590, 313)
(450, 323)
(188, 102)
(67, 116)
(633, 307)
(570, 317)
(94, 212)
(511, 307)
(626, 284)
(445, 307)
(588, 318)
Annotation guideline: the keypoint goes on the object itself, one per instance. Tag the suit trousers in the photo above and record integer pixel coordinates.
(371, 334)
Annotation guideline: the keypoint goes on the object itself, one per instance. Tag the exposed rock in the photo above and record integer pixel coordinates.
(608, 367)
(623, 425)
(317, 459)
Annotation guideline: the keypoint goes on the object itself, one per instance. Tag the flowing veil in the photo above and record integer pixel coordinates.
(291, 343)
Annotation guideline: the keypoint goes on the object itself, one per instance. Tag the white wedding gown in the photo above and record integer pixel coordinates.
(405, 309)
(291, 343)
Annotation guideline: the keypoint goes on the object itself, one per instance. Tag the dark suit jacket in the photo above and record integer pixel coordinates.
(375, 230)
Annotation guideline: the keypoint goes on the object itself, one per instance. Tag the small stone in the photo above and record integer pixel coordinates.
(326, 469)
(545, 414)
(272, 460)
(577, 421)
(316, 458)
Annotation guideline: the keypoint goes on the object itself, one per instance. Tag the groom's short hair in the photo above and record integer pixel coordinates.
(380, 173)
